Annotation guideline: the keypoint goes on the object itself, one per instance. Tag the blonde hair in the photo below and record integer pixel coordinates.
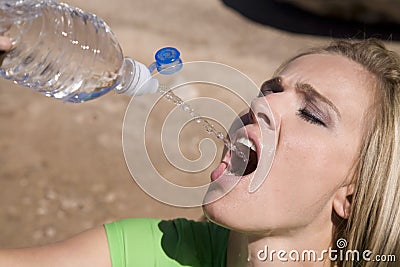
(374, 221)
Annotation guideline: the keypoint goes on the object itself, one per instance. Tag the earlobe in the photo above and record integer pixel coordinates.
(342, 201)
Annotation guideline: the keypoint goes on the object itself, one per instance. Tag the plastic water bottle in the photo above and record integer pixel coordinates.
(68, 54)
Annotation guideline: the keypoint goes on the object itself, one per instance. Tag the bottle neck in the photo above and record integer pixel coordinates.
(135, 79)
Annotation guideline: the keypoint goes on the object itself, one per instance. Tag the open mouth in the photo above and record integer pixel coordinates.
(234, 165)
(243, 166)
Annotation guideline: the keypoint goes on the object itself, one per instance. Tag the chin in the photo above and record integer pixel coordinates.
(231, 210)
(219, 215)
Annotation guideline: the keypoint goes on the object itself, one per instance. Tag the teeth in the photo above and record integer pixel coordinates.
(246, 142)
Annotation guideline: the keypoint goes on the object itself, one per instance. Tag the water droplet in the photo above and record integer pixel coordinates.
(220, 135)
(194, 114)
(186, 107)
(240, 154)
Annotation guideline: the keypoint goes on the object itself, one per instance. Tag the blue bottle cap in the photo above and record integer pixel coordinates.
(167, 55)
(167, 61)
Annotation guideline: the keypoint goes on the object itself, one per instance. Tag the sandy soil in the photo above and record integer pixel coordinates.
(62, 168)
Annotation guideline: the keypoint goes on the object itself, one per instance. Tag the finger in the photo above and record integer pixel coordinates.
(5, 43)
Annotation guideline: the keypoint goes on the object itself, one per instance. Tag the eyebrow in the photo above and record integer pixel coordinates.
(310, 93)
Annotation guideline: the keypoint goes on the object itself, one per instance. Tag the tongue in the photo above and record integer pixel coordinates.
(218, 171)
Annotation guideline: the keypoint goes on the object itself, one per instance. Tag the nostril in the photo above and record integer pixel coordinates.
(264, 117)
(272, 86)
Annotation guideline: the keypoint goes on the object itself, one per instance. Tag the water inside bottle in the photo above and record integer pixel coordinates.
(206, 124)
(64, 53)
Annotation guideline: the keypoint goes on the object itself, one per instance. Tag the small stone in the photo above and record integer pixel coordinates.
(41, 211)
(51, 194)
(67, 204)
(50, 231)
(110, 197)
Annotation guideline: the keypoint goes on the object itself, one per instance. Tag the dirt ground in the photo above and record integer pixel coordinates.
(62, 168)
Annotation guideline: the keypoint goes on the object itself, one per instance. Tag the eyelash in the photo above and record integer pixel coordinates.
(309, 117)
(275, 86)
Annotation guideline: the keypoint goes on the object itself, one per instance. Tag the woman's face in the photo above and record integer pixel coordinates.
(318, 106)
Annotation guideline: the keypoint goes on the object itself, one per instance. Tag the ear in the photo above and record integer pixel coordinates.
(342, 201)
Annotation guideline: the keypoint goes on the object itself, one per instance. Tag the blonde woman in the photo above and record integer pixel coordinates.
(335, 177)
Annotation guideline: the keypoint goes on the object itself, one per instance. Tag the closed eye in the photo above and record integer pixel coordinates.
(317, 108)
(304, 114)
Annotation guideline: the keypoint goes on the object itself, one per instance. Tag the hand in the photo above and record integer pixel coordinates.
(5, 43)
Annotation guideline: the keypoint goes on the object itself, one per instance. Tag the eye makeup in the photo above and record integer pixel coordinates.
(312, 114)
(316, 108)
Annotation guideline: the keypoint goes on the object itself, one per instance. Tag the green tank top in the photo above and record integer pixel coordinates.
(155, 243)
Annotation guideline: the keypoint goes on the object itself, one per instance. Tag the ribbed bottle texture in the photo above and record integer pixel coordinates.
(61, 51)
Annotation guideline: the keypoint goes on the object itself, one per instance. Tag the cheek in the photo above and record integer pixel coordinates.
(309, 166)
(301, 148)
(312, 152)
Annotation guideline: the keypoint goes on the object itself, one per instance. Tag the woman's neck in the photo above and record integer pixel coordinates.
(296, 248)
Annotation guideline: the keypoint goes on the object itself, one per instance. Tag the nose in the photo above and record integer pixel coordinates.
(261, 110)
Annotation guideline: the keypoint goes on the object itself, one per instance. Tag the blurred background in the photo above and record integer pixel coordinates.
(62, 168)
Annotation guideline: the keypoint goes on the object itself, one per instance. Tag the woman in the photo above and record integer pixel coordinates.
(335, 177)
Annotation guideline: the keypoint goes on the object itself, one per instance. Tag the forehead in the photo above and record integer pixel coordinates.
(344, 82)
(328, 70)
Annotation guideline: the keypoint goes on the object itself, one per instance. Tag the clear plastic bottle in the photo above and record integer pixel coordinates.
(68, 54)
